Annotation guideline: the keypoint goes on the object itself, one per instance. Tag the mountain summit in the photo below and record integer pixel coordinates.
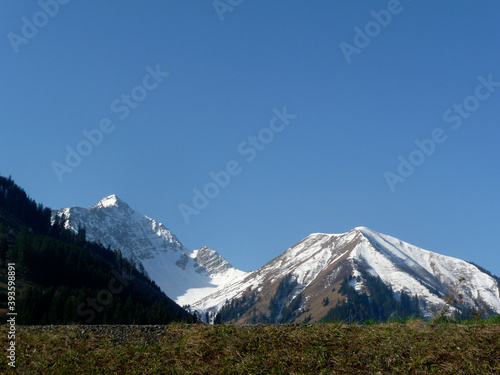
(183, 275)
(362, 272)
(110, 201)
(314, 278)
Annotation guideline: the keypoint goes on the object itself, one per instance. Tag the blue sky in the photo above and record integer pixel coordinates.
(358, 94)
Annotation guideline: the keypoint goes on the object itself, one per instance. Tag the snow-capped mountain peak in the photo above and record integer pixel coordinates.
(109, 201)
(184, 275)
(416, 271)
(317, 266)
(112, 201)
(212, 261)
(363, 230)
(314, 269)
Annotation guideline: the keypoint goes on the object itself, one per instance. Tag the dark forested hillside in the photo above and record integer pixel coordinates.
(62, 278)
(377, 302)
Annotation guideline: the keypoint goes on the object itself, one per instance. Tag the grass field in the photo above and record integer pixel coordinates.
(414, 347)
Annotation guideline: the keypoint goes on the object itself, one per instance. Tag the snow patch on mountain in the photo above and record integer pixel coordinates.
(415, 271)
(401, 266)
(203, 279)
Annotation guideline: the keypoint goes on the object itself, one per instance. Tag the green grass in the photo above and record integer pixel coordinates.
(411, 347)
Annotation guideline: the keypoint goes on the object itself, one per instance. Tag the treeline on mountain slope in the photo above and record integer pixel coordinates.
(283, 306)
(376, 301)
(61, 278)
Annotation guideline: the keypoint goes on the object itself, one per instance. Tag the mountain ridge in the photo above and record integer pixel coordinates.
(60, 278)
(182, 274)
(320, 262)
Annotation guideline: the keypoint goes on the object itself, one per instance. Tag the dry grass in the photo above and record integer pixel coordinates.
(412, 348)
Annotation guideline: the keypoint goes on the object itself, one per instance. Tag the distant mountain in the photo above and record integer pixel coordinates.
(184, 275)
(60, 278)
(316, 277)
(361, 274)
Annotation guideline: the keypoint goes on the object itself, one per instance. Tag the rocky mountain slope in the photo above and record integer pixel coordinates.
(313, 270)
(184, 275)
(303, 283)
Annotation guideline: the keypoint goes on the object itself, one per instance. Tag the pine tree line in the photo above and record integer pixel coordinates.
(377, 302)
(15, 201)
(66, 279)
(281, 309)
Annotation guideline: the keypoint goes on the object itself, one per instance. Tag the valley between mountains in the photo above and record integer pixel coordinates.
(361, 274)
